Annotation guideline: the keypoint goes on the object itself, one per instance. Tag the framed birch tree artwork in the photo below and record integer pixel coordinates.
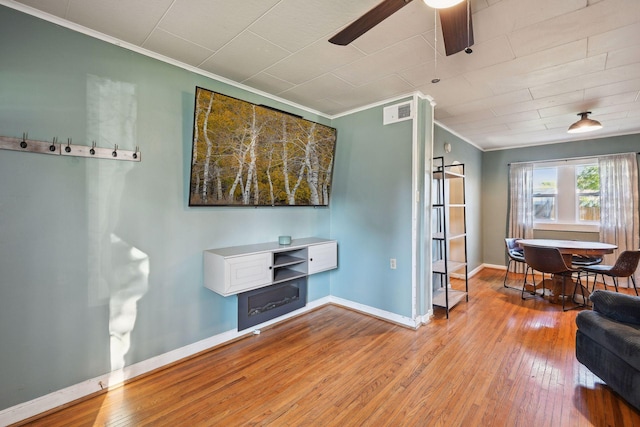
(246, 154)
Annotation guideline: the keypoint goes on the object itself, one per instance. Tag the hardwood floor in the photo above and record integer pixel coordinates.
(498, 361)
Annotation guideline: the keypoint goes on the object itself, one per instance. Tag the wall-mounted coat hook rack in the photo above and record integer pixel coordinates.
(68, 149)
(29, 145)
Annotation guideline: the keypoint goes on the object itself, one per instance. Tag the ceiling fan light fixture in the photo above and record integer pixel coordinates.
(585, 124)
(441, 4)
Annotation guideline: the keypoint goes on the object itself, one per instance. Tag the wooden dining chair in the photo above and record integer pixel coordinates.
(625, 266)
(515, 254)
(549, 260)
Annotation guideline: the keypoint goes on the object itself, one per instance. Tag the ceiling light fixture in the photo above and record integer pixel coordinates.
(585, 124)
(441, 4)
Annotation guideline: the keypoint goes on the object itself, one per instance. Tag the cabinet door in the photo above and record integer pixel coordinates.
(322, 257)
(248, 272)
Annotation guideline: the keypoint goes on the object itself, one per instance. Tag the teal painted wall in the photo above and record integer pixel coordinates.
(471, 156)
(371, 211)
(78, 236)
(495, 180)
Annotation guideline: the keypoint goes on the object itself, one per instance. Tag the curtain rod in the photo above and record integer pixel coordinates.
(569, 159)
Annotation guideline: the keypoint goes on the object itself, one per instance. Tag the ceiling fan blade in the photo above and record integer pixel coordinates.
(367, 21)
(456, 34)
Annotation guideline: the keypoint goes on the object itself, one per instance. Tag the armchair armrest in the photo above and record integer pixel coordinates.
(619, 307)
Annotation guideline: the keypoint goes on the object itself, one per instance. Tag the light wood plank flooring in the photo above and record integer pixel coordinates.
(498, 361)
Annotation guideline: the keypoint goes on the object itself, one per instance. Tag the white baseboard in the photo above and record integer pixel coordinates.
(114, 379)
(426, 318)
(476, 270)
(471, 273)
(494, 266)
(376, 312)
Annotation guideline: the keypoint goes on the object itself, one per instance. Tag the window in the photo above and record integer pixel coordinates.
(545, 191)
(566, 195)
(588, 193)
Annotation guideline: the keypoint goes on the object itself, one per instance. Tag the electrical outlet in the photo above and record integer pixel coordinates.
(392, 263)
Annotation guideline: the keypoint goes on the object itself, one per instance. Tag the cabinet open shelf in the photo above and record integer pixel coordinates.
(284, 274)
(438, 174)
(455, 296)
(441, 236)
(440, 267)
(289, 265)
(281, 260)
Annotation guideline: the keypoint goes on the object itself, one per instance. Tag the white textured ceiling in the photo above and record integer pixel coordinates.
(535, 63)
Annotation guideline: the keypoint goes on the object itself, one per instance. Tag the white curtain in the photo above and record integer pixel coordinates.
(520, 203)
(619, 204)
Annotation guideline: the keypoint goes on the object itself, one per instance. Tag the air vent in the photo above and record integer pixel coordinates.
(397, 113)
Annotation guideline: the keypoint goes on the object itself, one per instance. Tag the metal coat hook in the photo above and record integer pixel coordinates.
(67, 149)
(93, 148)
(23, 144)
(52, 147)
(115, 151)
(135, 153)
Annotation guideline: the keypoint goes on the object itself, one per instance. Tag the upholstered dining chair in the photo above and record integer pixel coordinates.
(625, 266)
(549, 260)
(515, 254)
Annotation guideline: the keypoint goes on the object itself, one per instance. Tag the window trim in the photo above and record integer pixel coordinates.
(562, 226)
(560, 223)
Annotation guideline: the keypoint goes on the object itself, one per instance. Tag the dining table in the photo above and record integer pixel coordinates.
(567, 249)
(571, 247)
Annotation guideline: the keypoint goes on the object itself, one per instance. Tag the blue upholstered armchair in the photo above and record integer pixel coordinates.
(608, 342)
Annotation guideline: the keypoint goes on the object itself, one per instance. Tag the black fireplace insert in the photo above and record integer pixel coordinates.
(259, 305)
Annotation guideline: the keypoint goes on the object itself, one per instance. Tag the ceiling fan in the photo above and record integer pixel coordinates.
(457, 28)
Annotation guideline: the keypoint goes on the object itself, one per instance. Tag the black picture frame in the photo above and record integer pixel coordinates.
(245, 154)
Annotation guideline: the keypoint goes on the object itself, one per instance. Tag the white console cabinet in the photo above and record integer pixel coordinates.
(237, 269)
